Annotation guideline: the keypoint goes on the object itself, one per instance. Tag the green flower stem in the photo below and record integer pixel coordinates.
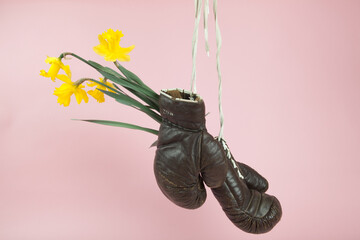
(80, 81)
(64, 54)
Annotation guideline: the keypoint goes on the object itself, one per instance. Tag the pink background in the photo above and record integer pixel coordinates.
(291, 72)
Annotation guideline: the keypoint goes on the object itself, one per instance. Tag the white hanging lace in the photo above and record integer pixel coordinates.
(198, 7)
(218, 47)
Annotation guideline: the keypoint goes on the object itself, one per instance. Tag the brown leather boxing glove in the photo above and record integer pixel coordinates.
(186, 153)
(243, 199)
(252, 178)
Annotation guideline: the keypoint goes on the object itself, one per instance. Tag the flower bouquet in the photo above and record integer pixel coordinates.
(114, 84)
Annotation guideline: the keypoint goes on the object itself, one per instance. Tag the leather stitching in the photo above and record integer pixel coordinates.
(170, 124)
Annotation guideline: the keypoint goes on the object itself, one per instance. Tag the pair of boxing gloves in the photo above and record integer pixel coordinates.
(187, 156)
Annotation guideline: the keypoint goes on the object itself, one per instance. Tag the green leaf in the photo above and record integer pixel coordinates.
(104, 85)
(120, 124)
(131, 76)
(124, 82)
(139, 92)
(142, 91)
(139, 95)
(150, 101)
(127, 100)
(106, 69)
(124, 98)
(94, 64)
(116, 86)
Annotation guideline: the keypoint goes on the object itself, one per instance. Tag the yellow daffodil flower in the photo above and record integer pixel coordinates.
(109, 46)
(98, 95)
(67, 89)
(55, 67)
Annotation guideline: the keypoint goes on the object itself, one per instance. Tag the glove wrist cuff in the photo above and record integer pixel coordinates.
(182, 108)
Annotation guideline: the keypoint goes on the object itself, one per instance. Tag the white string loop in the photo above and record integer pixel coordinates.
(218, 47)
(206, 14)
(198, 7)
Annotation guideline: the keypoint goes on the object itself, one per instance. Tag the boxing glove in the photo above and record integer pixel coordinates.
(187, 155)
(243, 200)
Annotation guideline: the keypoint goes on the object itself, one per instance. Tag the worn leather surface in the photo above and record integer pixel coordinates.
(243, 199)
(187, 155)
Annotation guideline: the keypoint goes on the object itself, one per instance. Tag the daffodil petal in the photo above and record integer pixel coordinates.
(67, 70)
(91, 84)
(110, 48)
(80, 94)
(64, 78)
(51, 60)
(99, 96)
(56, 66)
(64, 93)
(45, 74)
